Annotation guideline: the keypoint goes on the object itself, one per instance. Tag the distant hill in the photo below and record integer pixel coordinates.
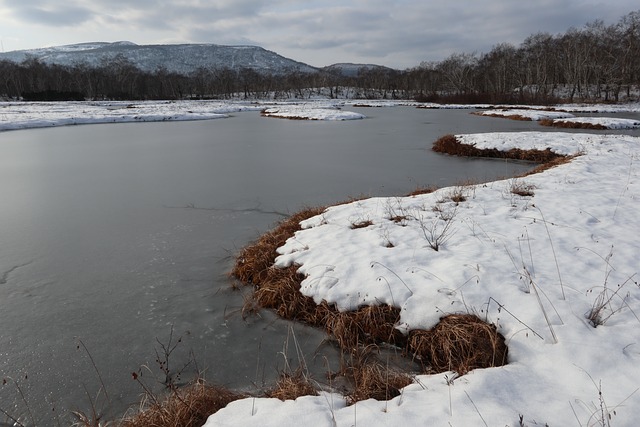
(348, 69)
(179, 58)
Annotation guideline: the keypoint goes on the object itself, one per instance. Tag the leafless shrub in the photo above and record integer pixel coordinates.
(439, 229)
(607, 303)
(521, 188)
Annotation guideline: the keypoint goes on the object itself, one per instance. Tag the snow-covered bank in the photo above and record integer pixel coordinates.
(525, 114)
(551, 259)
(27, 115)
(602, 122)
(310, 112)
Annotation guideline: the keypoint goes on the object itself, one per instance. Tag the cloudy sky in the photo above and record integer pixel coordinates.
(396, 33)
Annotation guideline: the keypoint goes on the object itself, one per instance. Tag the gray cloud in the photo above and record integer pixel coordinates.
(398, 33)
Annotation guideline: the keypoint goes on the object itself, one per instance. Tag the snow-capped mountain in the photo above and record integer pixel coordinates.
(180, 58)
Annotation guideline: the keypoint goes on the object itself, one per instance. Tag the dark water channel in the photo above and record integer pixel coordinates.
(112, 236)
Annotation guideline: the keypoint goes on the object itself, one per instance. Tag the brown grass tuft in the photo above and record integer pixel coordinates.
(361, 224)
(522, 189)
(548, 165)
(184, 407)
(422, 190)
(375, 381)
(253, 262)
(449, 144)
(292, 386)
(567, 124)
(518, 117)
(460, 343)
(367, 325)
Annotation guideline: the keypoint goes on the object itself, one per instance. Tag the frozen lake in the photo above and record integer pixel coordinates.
(113, 234)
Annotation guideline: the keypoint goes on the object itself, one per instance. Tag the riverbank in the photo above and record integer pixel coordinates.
(554, 268)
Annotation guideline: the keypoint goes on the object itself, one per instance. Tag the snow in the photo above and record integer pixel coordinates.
(607, 122)
(513, 260)
(23, 115)
(510, 259)
(531, 114)
(310, 112)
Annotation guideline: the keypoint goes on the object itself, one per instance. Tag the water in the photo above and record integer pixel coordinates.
(113, 236)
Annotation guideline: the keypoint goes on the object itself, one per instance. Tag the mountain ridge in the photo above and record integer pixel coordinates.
(178, 58)
(183, 59)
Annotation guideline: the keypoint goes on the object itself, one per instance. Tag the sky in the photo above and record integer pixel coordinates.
(396, 33)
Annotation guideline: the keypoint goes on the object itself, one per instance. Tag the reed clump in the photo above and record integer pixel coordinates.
(291, 386)
(449, 144)
(279, 289)
(568, 124)
(183, 407)
(254, 261)
(372, 379)
(518, 117)
(460, 343)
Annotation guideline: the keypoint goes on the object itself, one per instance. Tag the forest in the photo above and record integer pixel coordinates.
(594, 63)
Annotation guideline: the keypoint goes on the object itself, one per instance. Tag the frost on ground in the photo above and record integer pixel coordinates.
(551, 259)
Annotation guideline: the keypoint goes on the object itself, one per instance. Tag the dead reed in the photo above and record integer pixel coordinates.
(518, 117)
(568, 124)
(253, 262)
(279, 289)
(290, 386)
(374, 380)
(184, 407)
(449, 144)
(460, 343)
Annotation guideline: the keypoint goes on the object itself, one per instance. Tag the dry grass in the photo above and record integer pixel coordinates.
(373, 380)
(449, 144)
(422, 190)
(184, 407)
(361, 224)
(550, 164)
(460, 343)
(365, 326)
(253, 262)
(471, 342)
(522, 189)
(290, 386)
(518, 117)
(571, 125)
(277, 115)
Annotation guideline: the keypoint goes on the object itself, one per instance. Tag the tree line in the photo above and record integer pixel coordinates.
(595, 62)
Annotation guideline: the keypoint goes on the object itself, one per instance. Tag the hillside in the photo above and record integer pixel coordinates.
(179, 58)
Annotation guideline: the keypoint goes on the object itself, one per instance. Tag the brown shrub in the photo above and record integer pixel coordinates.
(184, 407)
(460, 343)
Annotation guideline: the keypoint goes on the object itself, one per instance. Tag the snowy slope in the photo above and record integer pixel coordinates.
(180, 58)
